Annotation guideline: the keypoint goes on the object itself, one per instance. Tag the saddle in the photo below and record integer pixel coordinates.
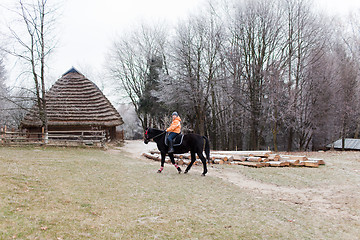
(177, 140)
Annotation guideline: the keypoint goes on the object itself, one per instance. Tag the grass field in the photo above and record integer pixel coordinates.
(61, 193)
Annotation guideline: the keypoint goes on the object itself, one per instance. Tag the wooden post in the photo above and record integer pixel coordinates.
(42, 134)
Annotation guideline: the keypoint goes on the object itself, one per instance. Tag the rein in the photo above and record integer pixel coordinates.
(157, 135)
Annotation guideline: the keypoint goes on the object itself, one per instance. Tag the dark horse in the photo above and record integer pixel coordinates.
(191, 142)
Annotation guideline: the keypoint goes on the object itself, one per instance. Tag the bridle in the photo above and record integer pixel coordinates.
(148, 139)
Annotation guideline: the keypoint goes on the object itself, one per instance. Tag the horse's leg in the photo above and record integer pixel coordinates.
(163, 154)
(193, 159)
(171, 155)
(203, 160)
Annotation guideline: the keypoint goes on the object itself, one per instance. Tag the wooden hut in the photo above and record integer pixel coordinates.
(74, 103)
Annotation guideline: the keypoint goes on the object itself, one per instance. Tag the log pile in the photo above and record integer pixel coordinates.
(255, 159)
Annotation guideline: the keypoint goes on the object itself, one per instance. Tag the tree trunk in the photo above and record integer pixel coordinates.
(290, 139)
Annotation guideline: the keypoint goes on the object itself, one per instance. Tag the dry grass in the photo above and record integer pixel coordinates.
(59, 193)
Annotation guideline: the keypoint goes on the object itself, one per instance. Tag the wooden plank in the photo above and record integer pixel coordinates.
(77, 131)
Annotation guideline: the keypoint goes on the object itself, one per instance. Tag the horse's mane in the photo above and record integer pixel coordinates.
(155, 130)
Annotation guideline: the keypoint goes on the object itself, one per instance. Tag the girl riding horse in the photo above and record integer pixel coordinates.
(191, 142)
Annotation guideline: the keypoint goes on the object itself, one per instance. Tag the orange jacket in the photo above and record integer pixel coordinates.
(175, 126)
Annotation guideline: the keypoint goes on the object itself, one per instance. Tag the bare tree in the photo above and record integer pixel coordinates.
(192, 84)
(305, 46)
(131, 64)
(352, 42)
(33, 43)
(272, 75)
(256, 35)
(3, 95)
(345, 92)
(14, 101)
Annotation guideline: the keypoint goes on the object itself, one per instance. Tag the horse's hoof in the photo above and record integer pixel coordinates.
(203, 175)
(185, 172)
(158, 171)
(179, 170)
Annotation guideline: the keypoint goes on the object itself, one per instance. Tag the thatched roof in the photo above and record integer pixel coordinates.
(75, 100)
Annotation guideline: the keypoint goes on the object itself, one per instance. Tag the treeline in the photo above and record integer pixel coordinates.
(251, 74)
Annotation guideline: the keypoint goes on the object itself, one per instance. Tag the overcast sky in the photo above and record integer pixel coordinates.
(87, 38)
(88, 27)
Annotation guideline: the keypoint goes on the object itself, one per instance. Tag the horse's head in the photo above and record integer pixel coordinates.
(152, 134)
(146, 136)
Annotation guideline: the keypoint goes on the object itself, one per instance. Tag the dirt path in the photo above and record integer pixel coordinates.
(329, 201)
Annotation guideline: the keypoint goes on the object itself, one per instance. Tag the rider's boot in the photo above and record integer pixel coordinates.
(171, 147)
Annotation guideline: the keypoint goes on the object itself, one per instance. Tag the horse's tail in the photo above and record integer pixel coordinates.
(207, 148)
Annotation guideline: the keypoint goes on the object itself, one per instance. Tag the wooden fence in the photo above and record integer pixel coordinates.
(56, 138)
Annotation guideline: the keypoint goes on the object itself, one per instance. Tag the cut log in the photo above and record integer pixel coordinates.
(278, 164)
(179, 156)
(251, 164)
(283, 158)
(180, 162)
(154, 152)
(310, 164)
(222, 157)
(262, 155)
(153, 157)
(254, 159)
(186, 162)
(239, 158)
(319, 161)
(274, 157)
(300, 158)
(293, 162)
(299, 164)
(183, 156)
(241, 153)
(218, 161)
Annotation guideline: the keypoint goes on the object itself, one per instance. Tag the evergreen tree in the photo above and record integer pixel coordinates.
(149, 105)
